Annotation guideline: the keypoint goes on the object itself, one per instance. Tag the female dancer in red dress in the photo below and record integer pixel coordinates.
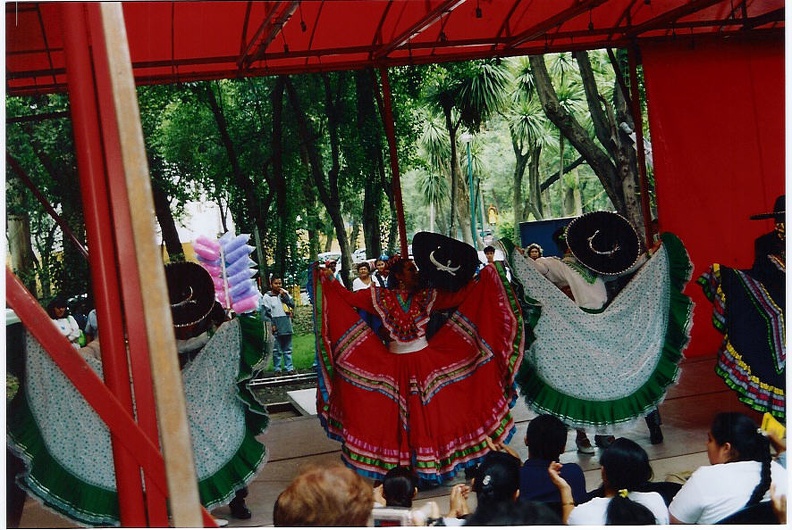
(428, 403)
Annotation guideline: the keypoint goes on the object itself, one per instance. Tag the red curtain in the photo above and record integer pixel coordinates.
(716, 115)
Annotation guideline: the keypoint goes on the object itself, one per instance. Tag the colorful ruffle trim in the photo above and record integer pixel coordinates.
(732, 365)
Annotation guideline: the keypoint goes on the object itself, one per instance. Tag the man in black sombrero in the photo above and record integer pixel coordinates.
(749, 309)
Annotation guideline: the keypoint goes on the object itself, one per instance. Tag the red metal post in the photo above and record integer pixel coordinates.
(90, 161)
(125, 249)
(390, 132)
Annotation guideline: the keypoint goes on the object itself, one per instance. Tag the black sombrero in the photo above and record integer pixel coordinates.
(779, 210)
(605, 242)
(192, 297)
(446, 263)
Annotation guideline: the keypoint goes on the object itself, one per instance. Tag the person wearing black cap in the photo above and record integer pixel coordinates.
(600, 362)
(399, 404)
(749, 308)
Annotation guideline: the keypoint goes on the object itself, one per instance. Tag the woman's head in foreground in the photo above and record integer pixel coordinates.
(325, 496)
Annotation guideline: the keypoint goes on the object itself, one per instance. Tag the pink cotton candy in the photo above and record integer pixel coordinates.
(246, 305)
(206, 248)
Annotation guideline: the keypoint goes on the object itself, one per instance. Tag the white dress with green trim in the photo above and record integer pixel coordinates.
(66, 446)
(611, 366)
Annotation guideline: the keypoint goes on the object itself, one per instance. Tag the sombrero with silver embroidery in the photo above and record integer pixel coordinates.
(191, 295)
(446, 263)
(605, 242)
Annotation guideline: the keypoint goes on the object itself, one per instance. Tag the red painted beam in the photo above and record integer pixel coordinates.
(91, 168)
(117, 216)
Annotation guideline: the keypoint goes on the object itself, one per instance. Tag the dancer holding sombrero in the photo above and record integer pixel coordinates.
(597, 362)
(425, 402)
(749, 307)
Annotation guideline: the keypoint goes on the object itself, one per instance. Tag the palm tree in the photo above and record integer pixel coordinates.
(530, 132)
(434, 183)
(465, 94)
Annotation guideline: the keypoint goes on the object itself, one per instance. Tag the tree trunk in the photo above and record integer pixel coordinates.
(460, 198)
(454, 171)
(371, 136)
(241, 180)
(277, 181)
(327, 189)
(23, 261)
(534, 204)
(600, 161)
(617, 143)
(170, 236)
(517, 182)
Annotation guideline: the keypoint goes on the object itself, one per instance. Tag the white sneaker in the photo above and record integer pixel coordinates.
(222, 523)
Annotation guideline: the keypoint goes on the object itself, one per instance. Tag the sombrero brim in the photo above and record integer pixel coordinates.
(445, 262)
(191, 296)
(768, 215)
(605, 242)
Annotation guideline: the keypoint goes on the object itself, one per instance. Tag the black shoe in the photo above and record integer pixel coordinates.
(653, 421)
(655, 434)
(584, 446)
(239, 510)
(603, 441)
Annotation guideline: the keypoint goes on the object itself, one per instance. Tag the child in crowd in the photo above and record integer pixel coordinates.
(546, 439)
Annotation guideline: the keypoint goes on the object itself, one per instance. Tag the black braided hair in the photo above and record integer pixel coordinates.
(626, 468)
(747, 444)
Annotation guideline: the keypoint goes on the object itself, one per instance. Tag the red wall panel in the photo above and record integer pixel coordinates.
(716, 116)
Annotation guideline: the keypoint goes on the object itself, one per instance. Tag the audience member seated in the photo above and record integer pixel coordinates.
(625, 466)
(325, 496)
(495, 482)
(515, 513)
(396, 493)
(546, 439)
(739, 477)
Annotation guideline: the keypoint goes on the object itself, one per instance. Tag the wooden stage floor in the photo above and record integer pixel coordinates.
(293, 442)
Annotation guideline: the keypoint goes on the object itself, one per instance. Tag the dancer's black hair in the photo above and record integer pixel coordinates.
(747, 443)
(626, 467)
(395, 270)
(508, 513)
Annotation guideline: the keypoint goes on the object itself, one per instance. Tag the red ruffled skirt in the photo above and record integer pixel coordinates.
(430, 409)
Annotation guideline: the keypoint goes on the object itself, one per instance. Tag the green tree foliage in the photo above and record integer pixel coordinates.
(39, 140)
(303, 160)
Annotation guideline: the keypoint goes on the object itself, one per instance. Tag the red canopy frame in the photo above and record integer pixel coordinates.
(173, 42)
